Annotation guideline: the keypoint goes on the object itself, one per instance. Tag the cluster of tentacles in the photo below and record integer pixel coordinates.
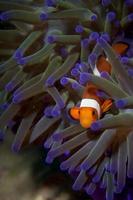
(48, 51)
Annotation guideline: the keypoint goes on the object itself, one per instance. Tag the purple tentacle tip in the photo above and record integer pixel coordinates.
(129, 2)
(50, 2)
(9, 86)
(106, 37)
(106, 2)
(57, 137)
(4, 16)
(18, 54)
(95, 126)
(130, 72)
(51, 39)
(71, 170)
(89, 190)
(64, 81)
(63, 167)
(48, 143)
(104, 74)
(130, 17)
(48, 160)
(4, 106)
(74, 72)
(111, 16)
(56, 112)
(94, 36)
(75, 86)
(79, 29)
(121, 103)
(75, 187)
(93, 17)
(43, 16)
(21, 61)
(16, 98)
(84, 166)
(67, 153)
(124, 60)
(95, 179)
(49, 81)
(51, 154)
(85, 42)
(47, 111)
(101, 41)
(84, 77)
(118, 190)
(130, 53)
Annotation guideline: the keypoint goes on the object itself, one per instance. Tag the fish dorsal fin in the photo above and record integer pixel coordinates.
(120, 48)
(106, 105)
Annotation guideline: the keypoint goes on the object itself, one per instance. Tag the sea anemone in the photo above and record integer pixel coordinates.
(45, 64)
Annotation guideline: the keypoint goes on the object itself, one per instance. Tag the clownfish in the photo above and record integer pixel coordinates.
(92, 106)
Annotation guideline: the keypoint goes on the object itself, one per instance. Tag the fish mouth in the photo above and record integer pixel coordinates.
(85, 123)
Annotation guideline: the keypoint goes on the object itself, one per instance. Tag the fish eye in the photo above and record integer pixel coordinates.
(93, 113)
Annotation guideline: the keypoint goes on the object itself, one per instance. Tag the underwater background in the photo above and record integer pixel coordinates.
(48, 52)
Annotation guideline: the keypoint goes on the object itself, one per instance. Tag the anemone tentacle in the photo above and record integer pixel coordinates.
(45, 64)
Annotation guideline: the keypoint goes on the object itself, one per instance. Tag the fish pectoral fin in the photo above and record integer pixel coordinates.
(74, 113)
(106, 105)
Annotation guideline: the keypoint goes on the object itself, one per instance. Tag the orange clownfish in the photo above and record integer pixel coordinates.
(92, 106)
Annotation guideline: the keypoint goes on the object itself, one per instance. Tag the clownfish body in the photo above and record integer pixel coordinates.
(92, 106)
